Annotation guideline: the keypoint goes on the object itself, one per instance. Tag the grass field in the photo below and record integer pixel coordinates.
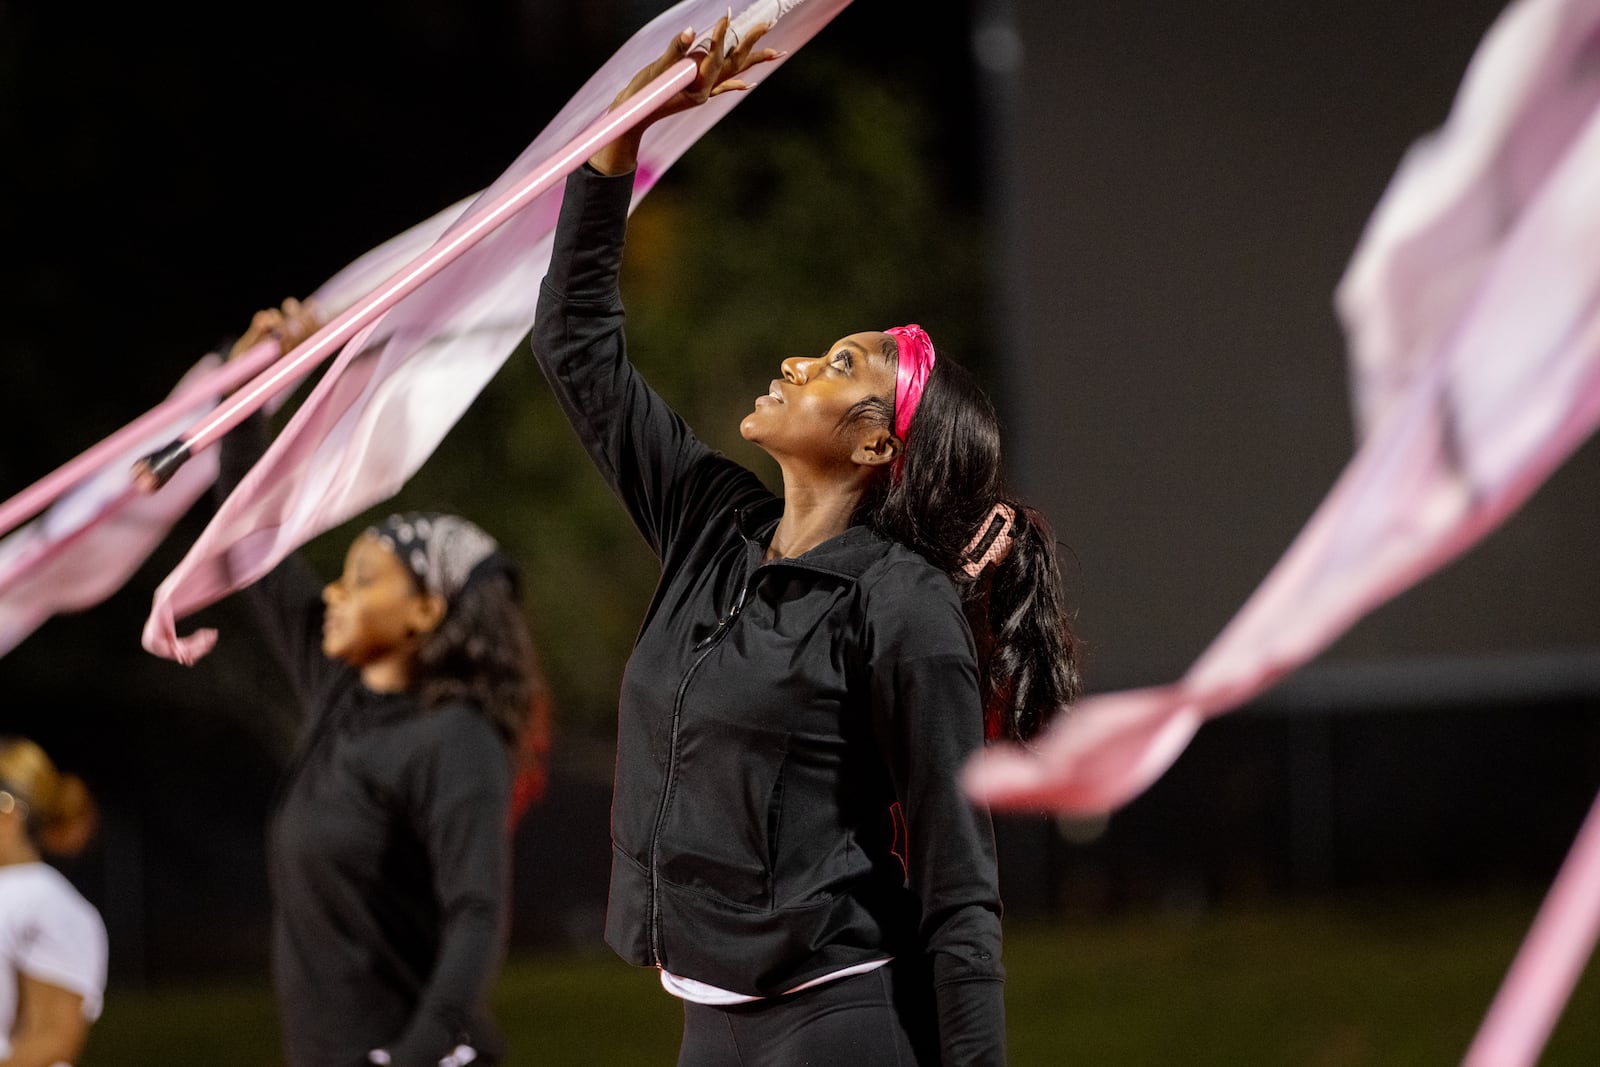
(1338, 984)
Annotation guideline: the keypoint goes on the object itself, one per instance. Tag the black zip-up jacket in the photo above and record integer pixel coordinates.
(773, 713)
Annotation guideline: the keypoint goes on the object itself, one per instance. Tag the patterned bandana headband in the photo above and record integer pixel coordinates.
(441, 551)
(912, 369)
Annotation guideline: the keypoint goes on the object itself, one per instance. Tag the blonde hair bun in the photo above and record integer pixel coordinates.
(61, 812)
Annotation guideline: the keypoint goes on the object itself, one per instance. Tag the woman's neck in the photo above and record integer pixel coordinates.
(391, 674)
(812, 513)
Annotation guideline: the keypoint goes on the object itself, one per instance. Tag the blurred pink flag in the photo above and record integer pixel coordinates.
(94, 536)
(399, 386)
(1472, 307)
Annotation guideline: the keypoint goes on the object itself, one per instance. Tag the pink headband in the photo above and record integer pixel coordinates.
(912, 368)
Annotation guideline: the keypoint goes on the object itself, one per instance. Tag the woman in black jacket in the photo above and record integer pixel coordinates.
(812, 672)
(389, 847)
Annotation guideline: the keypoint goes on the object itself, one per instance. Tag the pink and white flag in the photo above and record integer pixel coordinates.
(97, 531)
(1472, 306)
(400, 385)
(93, 538)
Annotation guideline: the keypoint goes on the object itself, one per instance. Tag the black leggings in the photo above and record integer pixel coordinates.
(883, 1018)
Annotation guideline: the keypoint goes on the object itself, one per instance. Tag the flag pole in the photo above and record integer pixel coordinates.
(1550, 962)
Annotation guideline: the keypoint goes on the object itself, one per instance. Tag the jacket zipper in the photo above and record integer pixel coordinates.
(703, 649)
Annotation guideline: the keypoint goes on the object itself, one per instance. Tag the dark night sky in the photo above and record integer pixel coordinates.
(166, 180)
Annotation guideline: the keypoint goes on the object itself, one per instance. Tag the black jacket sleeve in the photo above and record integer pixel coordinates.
(669, 481)
(927, 708)
(458, 796)
(287, 603)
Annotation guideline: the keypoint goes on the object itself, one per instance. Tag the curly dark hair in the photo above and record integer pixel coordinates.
(949, 482)
(481, 654)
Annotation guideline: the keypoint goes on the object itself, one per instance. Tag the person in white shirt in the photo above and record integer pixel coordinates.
(52, 941)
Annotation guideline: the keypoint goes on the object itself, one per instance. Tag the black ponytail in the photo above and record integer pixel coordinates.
(944, 497)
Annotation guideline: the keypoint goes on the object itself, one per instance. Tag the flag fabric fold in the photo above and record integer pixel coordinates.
(400, 385)
(1472, 305)
(96, 531)
(86, 545)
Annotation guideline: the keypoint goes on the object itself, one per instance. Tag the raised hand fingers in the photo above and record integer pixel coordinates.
(265, 323)
(300, 321)
(712, 61)
(740, 57)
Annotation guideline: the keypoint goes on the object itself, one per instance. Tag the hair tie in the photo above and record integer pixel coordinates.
(993, 541)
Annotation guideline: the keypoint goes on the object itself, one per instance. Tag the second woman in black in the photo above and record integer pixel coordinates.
(389, 844)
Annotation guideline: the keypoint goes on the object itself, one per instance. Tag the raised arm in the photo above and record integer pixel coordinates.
(287, 603)
(665, 476)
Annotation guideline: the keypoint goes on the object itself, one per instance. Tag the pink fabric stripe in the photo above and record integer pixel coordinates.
(1549, 963)
(332, 297)
(401, 383)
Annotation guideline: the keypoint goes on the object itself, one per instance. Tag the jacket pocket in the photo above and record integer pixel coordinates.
(720, 835)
